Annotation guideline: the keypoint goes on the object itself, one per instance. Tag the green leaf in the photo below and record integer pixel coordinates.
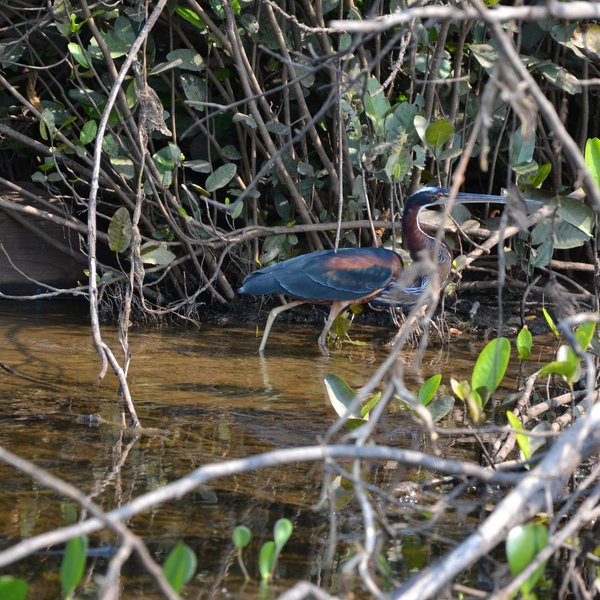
(189, 60)
(376, 104)
(461, 389)
(241, 536)
(78, 54)
(541, 175)
(592, 159)
(119, 230)
(369, 405)
(282, 530)
(88, 132)
(559, 367)
(190, 16)
(438, 133)
(266, 560)
(180, 566)
(428, 389)
(522, 545)
(73, 564)
(124, 166)
(550, 322)
(194, 88)
(153, 253)
(341, 395)
(490, 367)
(439, 407)
(523, 146)
(585, 333)
(524, 343)
(221, 177)
(12, 588)
(523, 440)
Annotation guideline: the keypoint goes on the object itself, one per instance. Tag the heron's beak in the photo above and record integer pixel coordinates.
(468, 198)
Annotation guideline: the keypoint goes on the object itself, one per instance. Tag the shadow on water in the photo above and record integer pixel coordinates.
(204, 396)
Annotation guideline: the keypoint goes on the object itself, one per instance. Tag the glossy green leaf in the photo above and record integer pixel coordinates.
(241, 536)
(78, 54)
(369, 405)
(524, 441)
(190, 16)
(524, 343)
(180, 566)
(522, 545)
(88, 132)
(565, 368)
(550, 322)
(73, 564)
(221, 177)
(438, 133)
(490, 367)
(282, 530)
(428, 389)
(266, 560)
(585, 333)
(12, 588)
(592, 159)
(340, 395)
(542, 174)
(461, 389)
(119, 230)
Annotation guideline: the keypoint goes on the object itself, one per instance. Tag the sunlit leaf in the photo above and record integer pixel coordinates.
(73, 564)
(241, 536)
(12, 588)
(490, 366)
(180, 566)
(524, 343)
(438, 133)
(550, 322)
(341, 396)
(541, 175)
(78, 54)
(282, 530)
(461, 389)
(124, 166)
(119, 230)
(190, 16)
(524, 441)
(153, 253)
(592, 159)
(585, 333)
(523, 543)
(369, 405)
(88, 132)
(428, 389)
(266, 560)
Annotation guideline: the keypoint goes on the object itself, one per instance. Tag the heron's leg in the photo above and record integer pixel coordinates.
(271, 319)
(336, 309)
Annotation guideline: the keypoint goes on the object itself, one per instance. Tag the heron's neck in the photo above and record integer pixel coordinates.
(413, 237)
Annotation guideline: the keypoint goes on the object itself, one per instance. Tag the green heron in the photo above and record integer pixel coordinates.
(351, 276)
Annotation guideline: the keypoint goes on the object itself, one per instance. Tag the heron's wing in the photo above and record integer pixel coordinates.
(350, 274)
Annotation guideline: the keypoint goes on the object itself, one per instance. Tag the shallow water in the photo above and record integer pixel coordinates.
(203, 395)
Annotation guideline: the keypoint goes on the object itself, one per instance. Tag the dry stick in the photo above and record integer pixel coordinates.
(104, 351)
(114, 524)
(529, 497)
(572, 11)
(206, 473)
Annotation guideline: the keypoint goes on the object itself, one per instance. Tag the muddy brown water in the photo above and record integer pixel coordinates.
(206, 396)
